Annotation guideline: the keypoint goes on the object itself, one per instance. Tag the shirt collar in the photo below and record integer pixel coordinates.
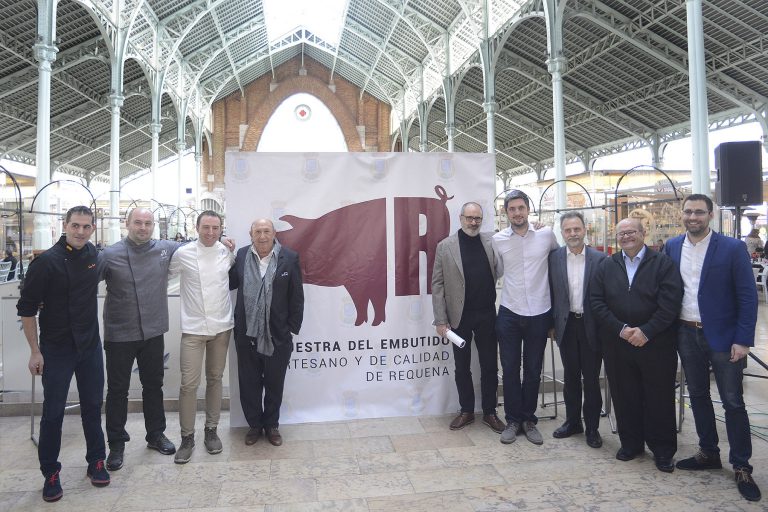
(253, 250)
(705, 240)
(638, 257)
(571, 253)
(513, 232)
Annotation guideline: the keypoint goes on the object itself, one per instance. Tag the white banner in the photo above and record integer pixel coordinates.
(365, 226)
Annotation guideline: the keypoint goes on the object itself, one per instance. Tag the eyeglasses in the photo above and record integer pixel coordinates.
(697, 213)
(473, 219)
(626, 234)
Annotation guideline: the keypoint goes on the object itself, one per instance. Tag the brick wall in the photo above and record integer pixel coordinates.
(264, 95)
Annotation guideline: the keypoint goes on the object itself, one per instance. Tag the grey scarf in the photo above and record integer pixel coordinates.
(257, 293)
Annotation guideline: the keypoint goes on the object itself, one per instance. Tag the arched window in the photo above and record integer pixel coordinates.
(211, 204)
(302, 123)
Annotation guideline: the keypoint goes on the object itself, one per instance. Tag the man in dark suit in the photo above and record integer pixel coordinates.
(717, 328)
(464, 300)
(635, 297)
(10, 257)
(570, 270)
(269, 310)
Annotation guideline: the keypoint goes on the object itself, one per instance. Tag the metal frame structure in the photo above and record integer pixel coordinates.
(131, 82)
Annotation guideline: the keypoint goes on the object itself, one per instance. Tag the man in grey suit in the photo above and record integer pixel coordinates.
(464, 300)
(570, 269)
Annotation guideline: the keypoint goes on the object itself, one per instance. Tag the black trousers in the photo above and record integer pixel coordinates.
(580, 360)
(483, 325)
(149, 356)
(261, 378)
(642, 381)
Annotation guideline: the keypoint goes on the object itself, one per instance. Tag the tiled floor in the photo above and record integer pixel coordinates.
(396, 464)
(408, 464)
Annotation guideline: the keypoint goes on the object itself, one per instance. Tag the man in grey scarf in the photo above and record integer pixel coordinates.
(269, 310)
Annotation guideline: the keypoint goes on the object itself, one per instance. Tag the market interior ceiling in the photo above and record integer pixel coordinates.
(625, 86)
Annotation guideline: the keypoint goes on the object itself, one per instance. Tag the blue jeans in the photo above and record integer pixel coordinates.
(521, 339)
(697, 357)
(62, 361)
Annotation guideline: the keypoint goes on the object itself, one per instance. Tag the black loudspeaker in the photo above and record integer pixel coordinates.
(739, 173)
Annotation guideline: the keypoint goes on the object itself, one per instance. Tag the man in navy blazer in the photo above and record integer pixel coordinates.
(269, 310)
(570, 270)
(717, 328)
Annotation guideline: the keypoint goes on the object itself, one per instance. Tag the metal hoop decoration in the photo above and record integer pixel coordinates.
(618, 183)
(18, 213)
(92, 206)
(589, 196)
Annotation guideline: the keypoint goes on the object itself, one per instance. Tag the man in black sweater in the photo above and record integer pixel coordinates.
(464, 300)
(636, 297)
(61, 284)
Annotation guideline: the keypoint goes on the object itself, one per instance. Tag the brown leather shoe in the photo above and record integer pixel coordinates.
(462, 420)
(273, 436)
(494, 422)
(252, 436)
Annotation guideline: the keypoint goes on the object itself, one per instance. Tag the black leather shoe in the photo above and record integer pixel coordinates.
(700, 460)
(115, 458)
(746, 484)
(626, 455)
(567, 430)
(462, 420)
(162, 444)
(593, 439)
(252, 436)
(665, 464)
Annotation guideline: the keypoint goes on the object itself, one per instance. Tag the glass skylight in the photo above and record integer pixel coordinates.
(323, 18)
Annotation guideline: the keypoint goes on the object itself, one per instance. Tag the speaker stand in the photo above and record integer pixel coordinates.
(737, 223)
(758, 361)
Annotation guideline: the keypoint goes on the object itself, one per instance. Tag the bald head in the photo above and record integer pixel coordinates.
(139, 210)
(630, 235)
(263, 222)
(140, 224)
(262, 236)
(631, 223)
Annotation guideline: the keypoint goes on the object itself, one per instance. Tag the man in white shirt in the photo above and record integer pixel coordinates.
(206, 324)
(524, 315)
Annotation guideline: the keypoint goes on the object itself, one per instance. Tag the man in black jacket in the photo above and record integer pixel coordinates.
(10, 257)
(636, 297)
(61, 283)
(269, 310)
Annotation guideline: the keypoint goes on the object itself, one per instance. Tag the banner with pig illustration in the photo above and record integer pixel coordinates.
(366, 226)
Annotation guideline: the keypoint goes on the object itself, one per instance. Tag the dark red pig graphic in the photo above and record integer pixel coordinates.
(348, 247)
(345, 247)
